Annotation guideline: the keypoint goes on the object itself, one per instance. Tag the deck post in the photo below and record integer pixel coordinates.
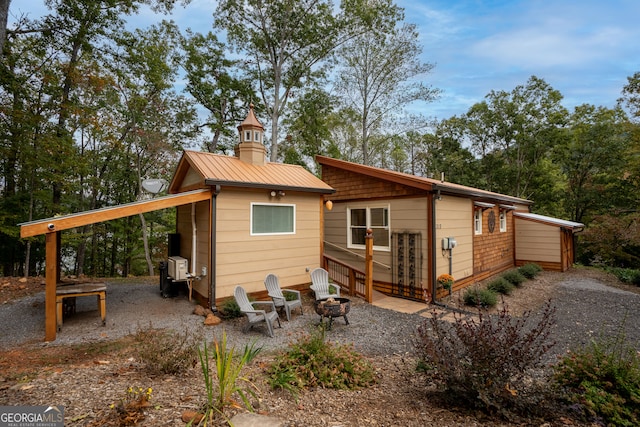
(368, 266)
(51, 278)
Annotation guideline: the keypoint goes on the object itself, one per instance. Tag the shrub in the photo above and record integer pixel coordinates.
(313, 362)
(166, 351)
(480, 297)
(530, 270)
(229, 309)
(485, 361)
(514, 277)
(603, 379)
(626, 275)
(228, 369)
(500, 286)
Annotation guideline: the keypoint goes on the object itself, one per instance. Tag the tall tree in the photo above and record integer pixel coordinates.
(286, 41)
(513, 132)
(216, 83)
(4, 15)
(381, 74)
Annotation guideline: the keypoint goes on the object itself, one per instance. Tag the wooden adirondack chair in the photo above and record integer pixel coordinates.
(320, 284)
(256, 316)
(277, 294)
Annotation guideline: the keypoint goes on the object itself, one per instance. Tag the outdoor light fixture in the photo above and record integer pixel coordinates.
(273, 193)
(329, 205)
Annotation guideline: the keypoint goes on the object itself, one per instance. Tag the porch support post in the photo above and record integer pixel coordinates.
(368, 265)
(51, 279)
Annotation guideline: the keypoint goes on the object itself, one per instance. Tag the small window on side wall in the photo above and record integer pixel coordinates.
(477, 221)
(247, 135)
(272, 219)
(375, 218)
(503, 221)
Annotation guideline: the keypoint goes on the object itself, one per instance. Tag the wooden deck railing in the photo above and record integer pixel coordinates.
(350, 279)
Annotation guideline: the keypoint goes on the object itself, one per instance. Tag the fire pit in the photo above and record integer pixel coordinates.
(333, 307)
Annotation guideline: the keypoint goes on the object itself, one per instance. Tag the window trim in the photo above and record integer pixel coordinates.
(503, 221)
(279, 233)
(477, 221)
(367, 209)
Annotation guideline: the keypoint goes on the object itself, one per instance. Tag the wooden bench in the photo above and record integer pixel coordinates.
(82, 290)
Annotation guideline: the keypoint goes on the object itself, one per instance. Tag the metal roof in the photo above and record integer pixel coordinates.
(549, 220)
(224, 170)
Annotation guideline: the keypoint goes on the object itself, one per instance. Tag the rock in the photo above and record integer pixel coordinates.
(199, 311)
(255, 420)
(190, 415)
(212, 319)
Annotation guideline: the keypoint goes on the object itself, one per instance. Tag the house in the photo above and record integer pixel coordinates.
(261, 218)
(425, 227)
(238, 219)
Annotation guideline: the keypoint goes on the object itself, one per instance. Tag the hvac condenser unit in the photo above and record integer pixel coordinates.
(177, 268)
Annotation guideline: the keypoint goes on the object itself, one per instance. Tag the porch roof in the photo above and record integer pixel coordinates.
(574, 226)
(419, 182)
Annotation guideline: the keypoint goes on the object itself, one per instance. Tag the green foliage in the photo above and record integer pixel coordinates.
(166, 351)
(626, 275)
(228, 373)
(514, 277)
(484, 362)
(229, 309)
(313, 362)
(611, 240)
(530, 270)
(500, 286)
(477, 297)
(603, 378)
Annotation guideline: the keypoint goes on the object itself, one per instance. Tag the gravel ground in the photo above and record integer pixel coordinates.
(586, 308)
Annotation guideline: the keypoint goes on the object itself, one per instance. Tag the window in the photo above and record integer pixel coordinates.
(477, 221)
(375, 218)
(503, 221)
(273, 219)
(247, 135)
(256, 136)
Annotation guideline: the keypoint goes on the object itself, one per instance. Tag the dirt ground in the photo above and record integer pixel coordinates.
(89, 379)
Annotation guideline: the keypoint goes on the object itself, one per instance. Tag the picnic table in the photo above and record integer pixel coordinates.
(81, 290)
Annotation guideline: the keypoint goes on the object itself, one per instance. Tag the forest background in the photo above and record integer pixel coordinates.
(88, 110)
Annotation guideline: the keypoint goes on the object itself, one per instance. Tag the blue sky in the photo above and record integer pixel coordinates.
(586, 49)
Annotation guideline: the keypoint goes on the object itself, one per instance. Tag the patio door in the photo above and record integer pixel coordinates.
(406, 260)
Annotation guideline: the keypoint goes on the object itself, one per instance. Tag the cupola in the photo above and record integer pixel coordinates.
(251, 148)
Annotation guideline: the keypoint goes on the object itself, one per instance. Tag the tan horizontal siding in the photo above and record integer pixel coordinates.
(537, 242)
(454, 218)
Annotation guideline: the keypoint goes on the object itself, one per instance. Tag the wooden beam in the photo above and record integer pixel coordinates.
(51, 225)
(51, 278)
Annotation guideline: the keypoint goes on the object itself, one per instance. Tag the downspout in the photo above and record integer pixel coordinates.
(433, 246)
(194, 237)
(213, 273)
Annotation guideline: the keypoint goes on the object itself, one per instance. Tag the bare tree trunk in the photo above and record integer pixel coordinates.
(145, 241)
(4, 15)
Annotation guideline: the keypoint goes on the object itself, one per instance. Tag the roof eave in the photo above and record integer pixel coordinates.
(268, 186)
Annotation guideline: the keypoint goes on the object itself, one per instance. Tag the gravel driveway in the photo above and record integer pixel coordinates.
(586, 308)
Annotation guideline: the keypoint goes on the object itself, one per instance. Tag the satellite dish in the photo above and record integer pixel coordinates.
(154, 186)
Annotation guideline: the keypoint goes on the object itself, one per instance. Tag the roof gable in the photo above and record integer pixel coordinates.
(420, 183)
(216, 169)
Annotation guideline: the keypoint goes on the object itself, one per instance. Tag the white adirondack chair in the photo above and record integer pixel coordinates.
(320, 284)
(256, 316)
(277, 294)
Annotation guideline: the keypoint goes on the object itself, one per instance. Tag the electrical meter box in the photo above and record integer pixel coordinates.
(449, 243)
(178, 270)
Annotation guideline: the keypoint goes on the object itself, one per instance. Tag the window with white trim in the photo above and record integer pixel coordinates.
(272, 219)
(247, 135)
(375, 218)
(477, 221)
(503, 221)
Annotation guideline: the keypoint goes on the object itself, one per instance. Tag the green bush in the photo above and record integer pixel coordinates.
(500, 286)
(626, 275)
(313, 362)
(485, 361)
(603, 379)
(514, 277)
(166, 351)
(480, 297)
(229, 309)
(530, 270)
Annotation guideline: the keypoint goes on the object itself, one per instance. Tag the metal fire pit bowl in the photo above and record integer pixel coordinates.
(339, 307)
